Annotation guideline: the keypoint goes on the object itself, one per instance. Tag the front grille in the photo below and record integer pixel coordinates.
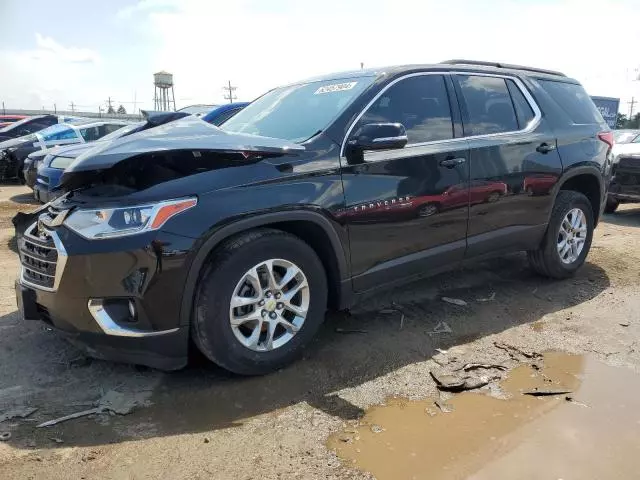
(39, 258)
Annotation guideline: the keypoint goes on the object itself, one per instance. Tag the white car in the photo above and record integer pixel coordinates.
(626, 142)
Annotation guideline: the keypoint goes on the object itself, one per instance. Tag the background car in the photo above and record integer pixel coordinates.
(625, 182)
(197, 110)
(13, 153)
(6, 120)
(34, 124)
(626, 142)
(54, 162)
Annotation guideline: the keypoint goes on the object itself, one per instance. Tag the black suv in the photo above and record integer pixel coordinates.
(239, 238)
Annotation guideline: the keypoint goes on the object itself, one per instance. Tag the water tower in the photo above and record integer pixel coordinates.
(163, 83)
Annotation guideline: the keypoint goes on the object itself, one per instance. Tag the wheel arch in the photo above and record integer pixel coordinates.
(312, 227)
(587, 180)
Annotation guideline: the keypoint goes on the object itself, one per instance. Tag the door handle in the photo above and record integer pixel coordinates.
(452, 162)
(545, 148)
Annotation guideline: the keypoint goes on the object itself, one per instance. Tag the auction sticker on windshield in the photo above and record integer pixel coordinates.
(336, 87)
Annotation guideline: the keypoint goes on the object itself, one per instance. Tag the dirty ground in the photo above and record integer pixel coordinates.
(364, 398)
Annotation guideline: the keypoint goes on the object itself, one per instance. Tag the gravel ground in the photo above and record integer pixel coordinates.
(204, 423)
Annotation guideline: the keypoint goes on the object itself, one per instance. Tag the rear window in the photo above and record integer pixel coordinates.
(488, 105)
(574, 101)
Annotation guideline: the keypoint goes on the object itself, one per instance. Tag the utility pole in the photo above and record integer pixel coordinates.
(73, 107)
(361, 65)
(100, 111)
(110, 108)
(135, 96)
(230, 96)
(631, 105)
(55, 109)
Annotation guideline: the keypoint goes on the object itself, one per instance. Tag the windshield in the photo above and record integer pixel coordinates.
(625, 137)
(121, 132)
(58, 132)
(297, 112)
(197, 109)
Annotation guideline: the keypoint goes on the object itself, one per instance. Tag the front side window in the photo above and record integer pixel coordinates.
(297, 112)
(488, 105)
(419, 103)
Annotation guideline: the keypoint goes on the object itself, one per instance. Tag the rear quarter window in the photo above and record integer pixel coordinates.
(574, 101)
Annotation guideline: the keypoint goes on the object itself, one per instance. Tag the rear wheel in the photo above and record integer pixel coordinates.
(568, 238)
(428, 210)
(260, 300)
(493, 197)
(611, 206)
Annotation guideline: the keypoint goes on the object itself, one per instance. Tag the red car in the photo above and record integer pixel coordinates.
(539, 184)
(6, 120)
(478, 191)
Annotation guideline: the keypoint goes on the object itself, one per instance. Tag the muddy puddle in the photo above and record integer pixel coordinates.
(593, 432)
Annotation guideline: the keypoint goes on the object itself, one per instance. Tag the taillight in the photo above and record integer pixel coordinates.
(606, 137)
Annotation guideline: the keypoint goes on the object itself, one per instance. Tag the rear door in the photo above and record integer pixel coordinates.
(514, 163)
(407, 209)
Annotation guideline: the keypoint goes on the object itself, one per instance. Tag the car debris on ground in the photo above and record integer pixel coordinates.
(441, 327)
(18, 412)
(111, 402)
(546, 393)
(455, 301)
(490, 298)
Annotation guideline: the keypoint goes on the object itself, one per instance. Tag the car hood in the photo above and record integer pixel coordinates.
(189, 133)
(18, 142)
(625, 149)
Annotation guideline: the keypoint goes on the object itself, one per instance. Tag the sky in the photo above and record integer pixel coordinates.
(63, 51)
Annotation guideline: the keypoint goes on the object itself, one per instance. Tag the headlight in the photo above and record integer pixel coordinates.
(119, 222)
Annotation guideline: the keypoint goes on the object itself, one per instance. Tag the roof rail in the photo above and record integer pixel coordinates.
(502, 65)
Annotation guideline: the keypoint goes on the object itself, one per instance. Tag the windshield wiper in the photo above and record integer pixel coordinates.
(314, 135)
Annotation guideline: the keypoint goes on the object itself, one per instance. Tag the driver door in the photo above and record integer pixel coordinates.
(401, 219)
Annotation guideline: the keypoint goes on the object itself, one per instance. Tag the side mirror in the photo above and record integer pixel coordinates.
(379, 136)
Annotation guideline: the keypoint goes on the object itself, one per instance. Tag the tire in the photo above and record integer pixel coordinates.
(611, 206)
(428, 210)
(493, 197)
(546, 260)
(212, 331)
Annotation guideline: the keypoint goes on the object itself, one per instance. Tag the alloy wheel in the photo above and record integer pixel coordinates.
(269, 305)
(572, 235)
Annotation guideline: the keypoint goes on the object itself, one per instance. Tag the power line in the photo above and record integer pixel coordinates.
(230, 96)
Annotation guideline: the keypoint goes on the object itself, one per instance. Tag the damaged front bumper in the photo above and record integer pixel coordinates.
(117, 299)
(625, 182)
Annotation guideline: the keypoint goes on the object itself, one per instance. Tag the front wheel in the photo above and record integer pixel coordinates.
(568, 238)
(260, 300)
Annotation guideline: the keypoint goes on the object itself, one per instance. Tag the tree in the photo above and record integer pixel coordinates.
(110, 110)
(121, 110)
(621, 121)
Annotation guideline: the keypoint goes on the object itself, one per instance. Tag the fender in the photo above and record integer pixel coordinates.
(264, 220)
(574, 172)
